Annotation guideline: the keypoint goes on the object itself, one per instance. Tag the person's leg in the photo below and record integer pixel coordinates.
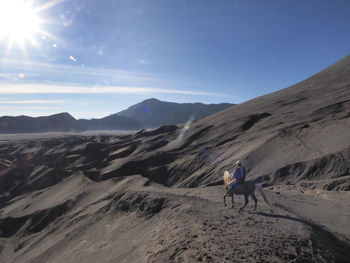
(230, 185)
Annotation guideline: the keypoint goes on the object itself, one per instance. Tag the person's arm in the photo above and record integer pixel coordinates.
(233, 177)
(233, 174)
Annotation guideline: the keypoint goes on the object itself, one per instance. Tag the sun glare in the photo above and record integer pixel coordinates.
(19, 21)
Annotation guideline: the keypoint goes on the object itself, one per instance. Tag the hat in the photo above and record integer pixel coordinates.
(238, 162)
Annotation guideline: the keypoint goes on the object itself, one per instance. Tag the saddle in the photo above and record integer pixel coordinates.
(236, 187)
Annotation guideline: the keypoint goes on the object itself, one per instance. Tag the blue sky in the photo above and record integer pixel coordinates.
(93, 58)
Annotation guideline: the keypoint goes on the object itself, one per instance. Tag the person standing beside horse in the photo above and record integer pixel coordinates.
(238, 175)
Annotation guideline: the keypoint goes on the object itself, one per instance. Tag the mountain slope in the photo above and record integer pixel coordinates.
(152, 113)
(55, 123)
(294, 135)
(298, 135)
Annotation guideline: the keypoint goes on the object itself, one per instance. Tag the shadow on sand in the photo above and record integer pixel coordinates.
(321, 239)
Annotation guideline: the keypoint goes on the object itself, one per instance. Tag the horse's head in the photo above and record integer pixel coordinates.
(227, 178)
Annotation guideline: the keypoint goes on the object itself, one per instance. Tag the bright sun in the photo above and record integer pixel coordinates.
(19, 21)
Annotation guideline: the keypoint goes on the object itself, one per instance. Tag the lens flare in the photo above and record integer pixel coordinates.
(21, 75)
(73, 58)
(186, 127)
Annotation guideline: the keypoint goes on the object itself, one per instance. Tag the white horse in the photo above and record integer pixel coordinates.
(246, 189)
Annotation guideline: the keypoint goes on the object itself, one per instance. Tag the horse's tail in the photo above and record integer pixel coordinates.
(259, 188)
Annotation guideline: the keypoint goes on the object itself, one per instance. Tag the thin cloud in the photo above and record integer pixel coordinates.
(32, 101)
(63, 89)
(144, 62)
(81, 75)
(8, 76)
(39, 69)
(16, 108)
(46, 78)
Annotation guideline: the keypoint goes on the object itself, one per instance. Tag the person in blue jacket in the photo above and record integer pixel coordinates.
(238, 175)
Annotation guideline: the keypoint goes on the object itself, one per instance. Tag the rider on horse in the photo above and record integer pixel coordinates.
(237, 175)
(235, 185)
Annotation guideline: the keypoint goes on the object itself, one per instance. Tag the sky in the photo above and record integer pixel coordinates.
(93, 58)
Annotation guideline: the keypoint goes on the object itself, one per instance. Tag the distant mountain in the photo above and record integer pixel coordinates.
(61, 122)
(147, 114)
(112, 122)
(153, 113)
(64, 122)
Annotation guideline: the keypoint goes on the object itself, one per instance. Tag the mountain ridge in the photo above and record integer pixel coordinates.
(152, 112)
(60, 122)
(64, 122)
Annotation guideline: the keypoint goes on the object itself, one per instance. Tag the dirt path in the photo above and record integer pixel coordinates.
(271, 234)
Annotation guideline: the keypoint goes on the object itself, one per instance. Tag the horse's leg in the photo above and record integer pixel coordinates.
(246, 202)
(255, 200)
(232, 202)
